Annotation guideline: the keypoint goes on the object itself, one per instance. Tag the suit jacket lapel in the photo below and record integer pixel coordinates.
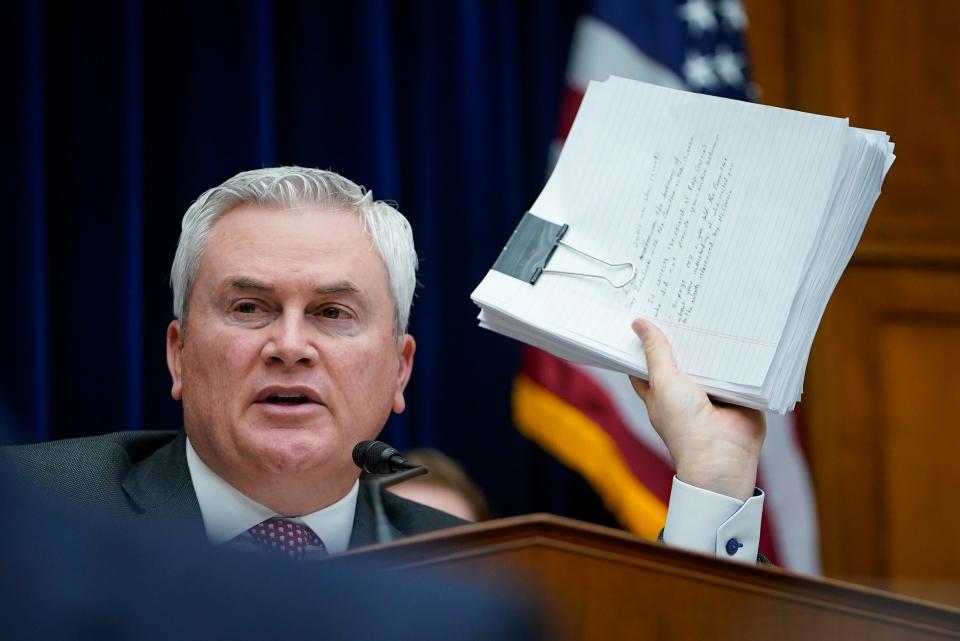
(364, 530)
(160, 486)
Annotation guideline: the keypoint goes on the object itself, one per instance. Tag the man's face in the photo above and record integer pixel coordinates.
(289, 357)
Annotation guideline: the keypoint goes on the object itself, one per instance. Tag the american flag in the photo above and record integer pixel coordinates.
(590, 418)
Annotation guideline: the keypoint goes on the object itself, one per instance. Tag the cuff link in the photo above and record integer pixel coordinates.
(732, 546)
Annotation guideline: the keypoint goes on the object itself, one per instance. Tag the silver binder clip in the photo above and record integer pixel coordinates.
(531, 246)
(633, 268)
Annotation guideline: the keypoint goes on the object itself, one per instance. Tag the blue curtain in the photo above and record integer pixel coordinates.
(118, 114)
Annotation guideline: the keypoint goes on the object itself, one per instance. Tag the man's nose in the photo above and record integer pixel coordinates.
(290, 342)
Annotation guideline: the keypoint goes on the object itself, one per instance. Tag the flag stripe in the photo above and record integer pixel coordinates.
(586, 396)
(568, 111)
(790, 498)
(586, 448)
(769, 541)
(599, 50)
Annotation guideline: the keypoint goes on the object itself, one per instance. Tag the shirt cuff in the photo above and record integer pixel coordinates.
(703, 521)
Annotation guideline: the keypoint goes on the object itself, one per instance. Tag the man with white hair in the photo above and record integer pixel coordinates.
(292, 291)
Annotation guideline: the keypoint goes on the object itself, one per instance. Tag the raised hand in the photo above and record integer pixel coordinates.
(714, 446)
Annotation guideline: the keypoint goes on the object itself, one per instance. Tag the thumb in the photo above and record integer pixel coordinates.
(656, 347)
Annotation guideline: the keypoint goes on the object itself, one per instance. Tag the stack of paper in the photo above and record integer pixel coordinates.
(738, 218)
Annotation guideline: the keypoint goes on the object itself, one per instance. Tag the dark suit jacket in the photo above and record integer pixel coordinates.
(144, 475)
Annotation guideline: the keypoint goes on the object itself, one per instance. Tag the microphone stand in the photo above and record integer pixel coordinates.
(377, 484)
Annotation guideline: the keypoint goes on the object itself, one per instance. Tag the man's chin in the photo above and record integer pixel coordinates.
(287, 451)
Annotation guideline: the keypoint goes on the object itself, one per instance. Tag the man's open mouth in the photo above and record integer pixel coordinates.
(291, 398)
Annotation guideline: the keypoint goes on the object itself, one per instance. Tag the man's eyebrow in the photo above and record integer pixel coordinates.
(342, 287)
(249, 283)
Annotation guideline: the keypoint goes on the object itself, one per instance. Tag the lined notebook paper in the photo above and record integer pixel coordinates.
(738, 219)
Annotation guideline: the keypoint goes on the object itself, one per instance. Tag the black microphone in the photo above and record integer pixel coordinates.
(387, 468)
(376, 457)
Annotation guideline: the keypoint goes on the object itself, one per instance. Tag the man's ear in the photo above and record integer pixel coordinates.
(174, 356)
(405, 354)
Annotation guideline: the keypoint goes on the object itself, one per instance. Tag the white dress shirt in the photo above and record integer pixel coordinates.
(703, 521)
(228, 514)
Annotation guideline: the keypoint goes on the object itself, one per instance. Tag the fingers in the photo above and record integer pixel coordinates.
(656, 347)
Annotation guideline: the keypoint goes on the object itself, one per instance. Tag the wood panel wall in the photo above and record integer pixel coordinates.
(882, 396)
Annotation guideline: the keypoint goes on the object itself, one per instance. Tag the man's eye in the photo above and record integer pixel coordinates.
(246, 308)
(334, 313)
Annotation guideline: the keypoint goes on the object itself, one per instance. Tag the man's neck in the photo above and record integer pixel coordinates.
(287, 497)
(287, 494)
(228, 512)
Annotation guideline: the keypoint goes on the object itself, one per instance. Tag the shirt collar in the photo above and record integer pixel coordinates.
(228, 513)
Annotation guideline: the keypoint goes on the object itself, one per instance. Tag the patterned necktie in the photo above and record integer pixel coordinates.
(285, 537)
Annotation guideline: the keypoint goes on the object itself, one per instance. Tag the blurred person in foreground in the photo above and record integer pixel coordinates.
(66, 573)
(292, 290)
